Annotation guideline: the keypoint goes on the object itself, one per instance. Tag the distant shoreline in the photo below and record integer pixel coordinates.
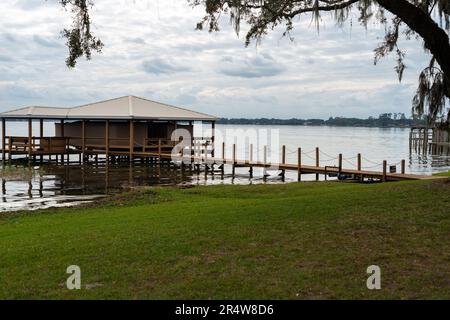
(383, 121)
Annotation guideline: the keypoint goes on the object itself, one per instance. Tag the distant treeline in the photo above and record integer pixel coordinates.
(383, 120)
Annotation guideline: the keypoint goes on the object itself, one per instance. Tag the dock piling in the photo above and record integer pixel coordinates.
(283, 161)
(234, 159)
(359, 162)
(317, 161)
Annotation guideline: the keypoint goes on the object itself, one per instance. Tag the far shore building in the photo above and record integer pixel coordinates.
(126, 126)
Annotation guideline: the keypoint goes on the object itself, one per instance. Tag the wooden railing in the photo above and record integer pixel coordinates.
(199, 146)
(44, 144)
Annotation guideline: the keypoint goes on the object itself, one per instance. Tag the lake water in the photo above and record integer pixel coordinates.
(54, 185)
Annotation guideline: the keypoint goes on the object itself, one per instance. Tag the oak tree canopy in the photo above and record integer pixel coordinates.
(427, 20)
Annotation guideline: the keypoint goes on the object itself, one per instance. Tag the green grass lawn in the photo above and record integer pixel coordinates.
(292, 241)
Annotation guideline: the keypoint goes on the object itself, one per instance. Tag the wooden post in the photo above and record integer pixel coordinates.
(63, 135)
(131, 139)
(250, 160)
(3, 140)
(299, 156)
(283, 161)
(191, 149)
(144, 145)
(223, 152)
(403, 166)
(384, 170)
(206, 155)
(234, 153)
(340, 162)
(107, 140)
(41, 128)
(317, 162)
(182, 156)
(425, 140)
(359, 162)
(223, 159)
(159, 149)
(62, 128)
(213, 138)
(30, 138)
(234, 159)
(41, 135)
(265, 161)
(265, 155)
(83, 138)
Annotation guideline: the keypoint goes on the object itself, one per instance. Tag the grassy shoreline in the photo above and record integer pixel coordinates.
(292, 241)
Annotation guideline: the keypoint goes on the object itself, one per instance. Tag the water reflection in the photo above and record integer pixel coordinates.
(52, 185)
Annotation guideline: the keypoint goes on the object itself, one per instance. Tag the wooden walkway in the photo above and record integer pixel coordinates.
(209, 162)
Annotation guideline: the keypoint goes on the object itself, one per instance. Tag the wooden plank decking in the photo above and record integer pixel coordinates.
(301, 169)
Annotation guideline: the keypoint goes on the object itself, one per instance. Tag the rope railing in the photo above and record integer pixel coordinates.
(328, 160)
(315, 157)
(372, 167)
(370, 161)
(349, 162)
(326, 154)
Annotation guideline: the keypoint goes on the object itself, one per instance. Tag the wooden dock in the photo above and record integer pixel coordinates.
(204, 157)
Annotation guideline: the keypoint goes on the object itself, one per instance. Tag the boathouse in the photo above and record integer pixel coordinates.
(126, 126)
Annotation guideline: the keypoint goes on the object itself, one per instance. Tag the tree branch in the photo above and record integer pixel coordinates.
(435, 38)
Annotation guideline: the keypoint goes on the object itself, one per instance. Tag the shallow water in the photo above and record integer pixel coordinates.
(54, 185)
(57, 186)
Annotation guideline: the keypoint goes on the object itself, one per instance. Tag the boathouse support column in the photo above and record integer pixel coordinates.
(3, 140)
(107, 141)
(191, 149)
(30, 138)
(62, 129)
(131, 122)
(83, 139)
(41, 136)
(63, 134)
(213, 138)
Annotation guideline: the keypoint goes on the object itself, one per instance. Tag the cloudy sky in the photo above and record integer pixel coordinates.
(153, 50)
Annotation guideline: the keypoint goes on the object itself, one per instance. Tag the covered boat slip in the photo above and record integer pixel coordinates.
(127, 126)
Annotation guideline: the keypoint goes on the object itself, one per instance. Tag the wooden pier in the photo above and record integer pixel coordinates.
(135, 129)
(429, 140)
(200, 156)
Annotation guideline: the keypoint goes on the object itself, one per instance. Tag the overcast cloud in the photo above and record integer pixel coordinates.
(152, 50)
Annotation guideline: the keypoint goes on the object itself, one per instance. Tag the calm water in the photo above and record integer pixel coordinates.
(53, 185)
